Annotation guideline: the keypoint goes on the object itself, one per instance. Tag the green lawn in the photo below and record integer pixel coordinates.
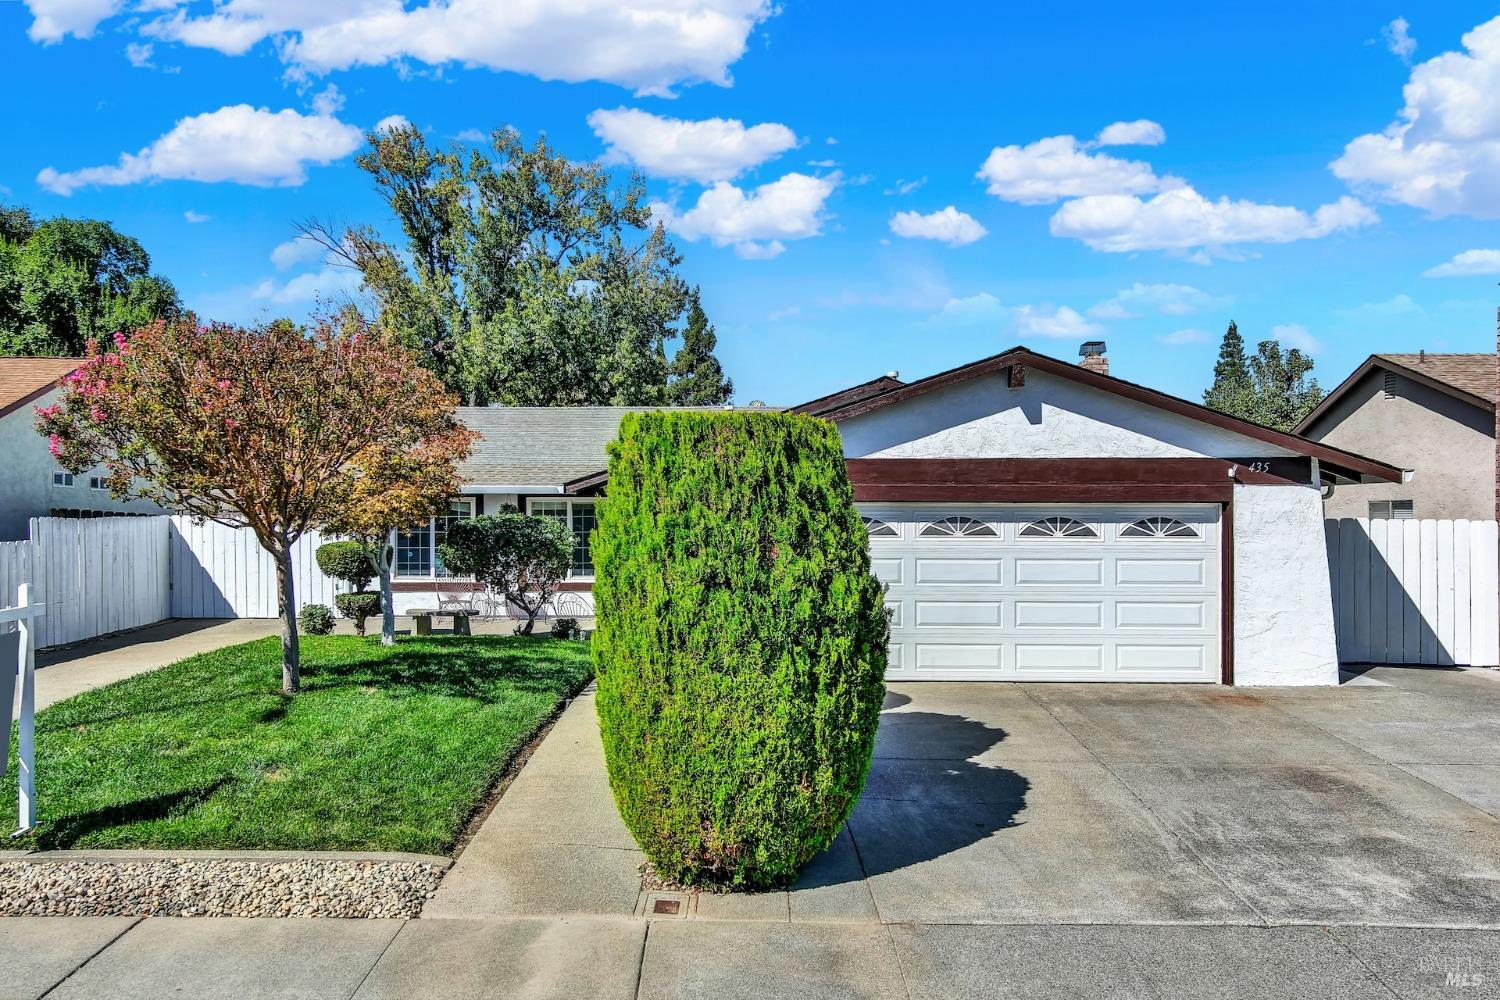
(386, 748)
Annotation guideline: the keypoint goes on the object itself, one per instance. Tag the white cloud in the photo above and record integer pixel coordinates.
(1179, 338)
(1442, 153)
(1398, 39)
(195, 217)
(297, 250)
(1141, 132)
(981, 306)
(714, 149)
(328, 101)
(1467, 264)
(1396, 307)
(823, 164)
(650, 46)
(780, 314)
(755, 224)
(472, 135)
(1295, 335)
(139, 54)
(328, 282)
(1060, 167)
(391, 122)
(949, 226)
(1182, 219)
(902, 187)
(1059, 322)
(1170, 300)
(238, 143)
(53, 20)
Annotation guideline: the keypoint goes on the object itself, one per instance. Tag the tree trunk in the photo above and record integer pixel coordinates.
(387, 604)
(286, 604)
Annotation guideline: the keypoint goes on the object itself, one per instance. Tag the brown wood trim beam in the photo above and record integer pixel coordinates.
(1063, 472)
(1044, 492)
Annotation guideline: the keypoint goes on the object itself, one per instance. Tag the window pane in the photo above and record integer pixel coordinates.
(414, 551)
(459, 509)
(583, 523)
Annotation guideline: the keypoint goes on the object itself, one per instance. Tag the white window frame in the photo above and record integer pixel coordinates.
(62, 478)
(568, 503)
(1407, 510)
(432, 544)
(97, 483)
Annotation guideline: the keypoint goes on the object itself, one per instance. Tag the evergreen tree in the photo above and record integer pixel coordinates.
(696, 378)
(1232, 391)
(1284, 390)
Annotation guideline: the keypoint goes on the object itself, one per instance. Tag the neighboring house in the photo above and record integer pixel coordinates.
(1032, 520)
(32, 484)
(1431, 413)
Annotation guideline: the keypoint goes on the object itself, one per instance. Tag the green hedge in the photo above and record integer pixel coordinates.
(740, 642)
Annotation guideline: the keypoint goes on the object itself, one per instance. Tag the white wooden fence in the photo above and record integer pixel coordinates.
(222, 572)
(95, 575)
(1415, 591)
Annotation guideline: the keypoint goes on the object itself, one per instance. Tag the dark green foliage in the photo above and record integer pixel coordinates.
(66, 283)
(316, 619)
(359, 605)
(697, 379)
(351, 562)
(522, 556)
(740, 645)
(1273, 388)
(564, 628)
(387, 748)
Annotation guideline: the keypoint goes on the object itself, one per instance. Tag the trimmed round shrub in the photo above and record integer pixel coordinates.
(564, 628)
(350, 562)
(358, 606)
(740, 642)
(316, 619)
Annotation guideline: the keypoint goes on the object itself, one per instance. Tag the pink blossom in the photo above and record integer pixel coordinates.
(119, 340)
(230, 423)
(54, 444)
(48, 412)
(96, 414)
(223, 383)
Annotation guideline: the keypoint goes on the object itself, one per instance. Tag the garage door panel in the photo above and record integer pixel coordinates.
(947, 613)
(947, 571)
(1134, 599)
(1059, 614)
(1046, 572)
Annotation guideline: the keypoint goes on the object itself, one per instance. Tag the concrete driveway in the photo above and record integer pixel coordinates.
(1012, 841)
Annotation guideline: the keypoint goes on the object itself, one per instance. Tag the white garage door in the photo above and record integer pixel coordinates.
(1021, 592)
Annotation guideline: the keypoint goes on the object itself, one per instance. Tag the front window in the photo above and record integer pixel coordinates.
(416, 547)
(578, 515)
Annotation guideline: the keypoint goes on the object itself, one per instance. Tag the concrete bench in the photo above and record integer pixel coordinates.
(422, 617)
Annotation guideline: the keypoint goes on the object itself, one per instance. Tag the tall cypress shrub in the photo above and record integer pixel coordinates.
(740, 642)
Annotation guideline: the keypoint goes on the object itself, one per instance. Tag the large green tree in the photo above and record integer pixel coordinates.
(68, 283)
(521, 277)
(1273, 387)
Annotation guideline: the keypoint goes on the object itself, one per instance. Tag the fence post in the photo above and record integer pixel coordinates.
(26, 744)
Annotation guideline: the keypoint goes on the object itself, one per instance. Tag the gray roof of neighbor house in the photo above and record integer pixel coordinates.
(543, 446)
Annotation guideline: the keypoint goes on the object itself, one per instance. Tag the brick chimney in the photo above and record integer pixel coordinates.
(1095, 360)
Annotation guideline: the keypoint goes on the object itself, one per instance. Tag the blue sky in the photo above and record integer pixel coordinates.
(1300, 169)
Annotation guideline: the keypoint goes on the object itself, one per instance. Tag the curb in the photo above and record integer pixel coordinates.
(258, 857)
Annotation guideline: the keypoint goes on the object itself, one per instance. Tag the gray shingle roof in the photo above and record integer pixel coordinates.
(541, 445)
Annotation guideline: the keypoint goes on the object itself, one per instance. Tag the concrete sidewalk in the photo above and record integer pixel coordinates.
(62, 673)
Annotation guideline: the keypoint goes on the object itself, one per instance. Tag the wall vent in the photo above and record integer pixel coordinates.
(1387, 510)
(1390, 385)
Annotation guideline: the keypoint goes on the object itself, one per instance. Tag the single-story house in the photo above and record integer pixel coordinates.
(34, 485)
(1032, 519)
(1431, 413)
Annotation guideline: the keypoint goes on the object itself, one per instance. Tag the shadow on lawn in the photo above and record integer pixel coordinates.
(926, 797)
(68, 830)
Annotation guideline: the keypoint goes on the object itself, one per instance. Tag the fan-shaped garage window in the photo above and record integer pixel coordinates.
(1058, 527)
(958, 527)
(880, 529)
(1159, 527)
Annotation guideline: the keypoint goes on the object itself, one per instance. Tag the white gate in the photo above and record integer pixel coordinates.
(1415, 591)
(97, 575)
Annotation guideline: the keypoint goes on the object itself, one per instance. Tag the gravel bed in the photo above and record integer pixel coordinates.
(216, 888)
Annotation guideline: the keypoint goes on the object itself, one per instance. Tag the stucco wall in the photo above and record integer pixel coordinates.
(26, 468)
(1449, 444)
(1048, 417)
(1283, 604)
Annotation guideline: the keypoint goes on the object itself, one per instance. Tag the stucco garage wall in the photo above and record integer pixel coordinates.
(1283, 603)
(1048, 417)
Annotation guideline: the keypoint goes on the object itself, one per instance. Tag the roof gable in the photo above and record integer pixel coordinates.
(1345, 463)
(1470, 378)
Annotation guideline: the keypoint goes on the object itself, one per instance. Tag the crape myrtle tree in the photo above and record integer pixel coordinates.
(395, 486)
(258, 427)
(524, 278)
(522, 556)
(740, 647)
